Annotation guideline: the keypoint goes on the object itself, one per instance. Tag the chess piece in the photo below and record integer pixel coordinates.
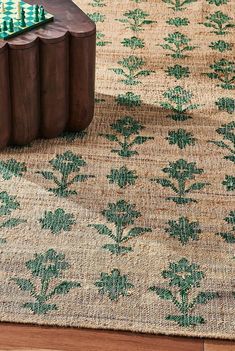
(36, 14)
(11, 26)
(18, 10)
(4, 26)
(22, 18)
(42, 14)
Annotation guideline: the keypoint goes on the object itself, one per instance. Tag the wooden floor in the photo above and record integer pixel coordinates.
(24, 338)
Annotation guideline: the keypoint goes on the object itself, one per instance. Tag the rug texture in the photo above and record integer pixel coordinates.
(130, 224)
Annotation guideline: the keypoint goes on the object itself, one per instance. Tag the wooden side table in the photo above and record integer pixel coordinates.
(47, 77)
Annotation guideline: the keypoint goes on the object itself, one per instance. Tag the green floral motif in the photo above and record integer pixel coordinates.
(122, 177)
(127, 128)
(133, 43)
(179, 102)
(178, 44)
(66, 164)
(224, 71)
(45, 268)
(122, 215)
(221, 46)
(96, 17)
(178, 71)
(132, 70)
(226, 104)
(229, 183)
(72, 136)
(8, 204)
(178, 21)
(183, 230)
(178, 5)
(97, 3)
(220, 22)
(136, 20)
(227, 132)
(181, 171)
(181, 138)
(100, 39)
(183, 278)
(128, 99)
(229, 236)
(114, 285)
(217, 2)
(12, 168)
(57, 221)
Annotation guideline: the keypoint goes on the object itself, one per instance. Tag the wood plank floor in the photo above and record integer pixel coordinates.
(34, 338)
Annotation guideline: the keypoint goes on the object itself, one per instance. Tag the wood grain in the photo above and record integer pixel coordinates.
(219, 345)
(54, 77)
(22, 337)
(25, 94)
(5, 113)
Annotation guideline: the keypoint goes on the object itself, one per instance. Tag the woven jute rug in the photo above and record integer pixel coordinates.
(130, 224)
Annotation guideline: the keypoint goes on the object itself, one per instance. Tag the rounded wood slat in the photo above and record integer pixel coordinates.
(25, 93)
(54, 85)
(82, 54)
(5, 111)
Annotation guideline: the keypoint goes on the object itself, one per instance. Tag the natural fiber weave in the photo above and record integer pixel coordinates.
(131, 224)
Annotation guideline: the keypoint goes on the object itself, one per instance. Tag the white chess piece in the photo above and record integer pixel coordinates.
(2, 7)
(18, 10)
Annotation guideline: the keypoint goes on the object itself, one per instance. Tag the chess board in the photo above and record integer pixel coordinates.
(11, 12)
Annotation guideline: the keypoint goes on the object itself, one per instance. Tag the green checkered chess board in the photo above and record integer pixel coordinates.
(11, 12)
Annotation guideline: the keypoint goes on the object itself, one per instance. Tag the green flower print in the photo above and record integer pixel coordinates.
(46, 268)
(183, 278)
(181, 138)
(229, 236)
(122, 215)
(219, 22)
(136, 20)
(178, 45)
(65, 164)
(181, 171)
(227, 132)
(12, 168)
(221, 46)
(178, 5)
(122, 177)
(224, 72)
(57, 221)
(128, 129)
(8, 204)
(114, 285)
(179, 102)
(226, 104)
(183, 230)
(132, 70)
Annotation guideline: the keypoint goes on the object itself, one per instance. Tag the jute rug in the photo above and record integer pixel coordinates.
(131, 224)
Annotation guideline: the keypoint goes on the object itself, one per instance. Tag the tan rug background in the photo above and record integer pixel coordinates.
(177, 249)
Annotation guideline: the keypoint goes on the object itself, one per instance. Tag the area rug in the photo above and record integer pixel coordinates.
(130, 225)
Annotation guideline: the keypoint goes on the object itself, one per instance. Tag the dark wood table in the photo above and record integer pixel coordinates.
(47, 77)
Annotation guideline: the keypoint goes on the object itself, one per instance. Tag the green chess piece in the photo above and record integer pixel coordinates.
(4, 26)
(22, 18)
(11, 26)
(36, 14)
(42, 14)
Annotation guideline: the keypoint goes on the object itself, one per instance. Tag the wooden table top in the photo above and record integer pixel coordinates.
(67, 18)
